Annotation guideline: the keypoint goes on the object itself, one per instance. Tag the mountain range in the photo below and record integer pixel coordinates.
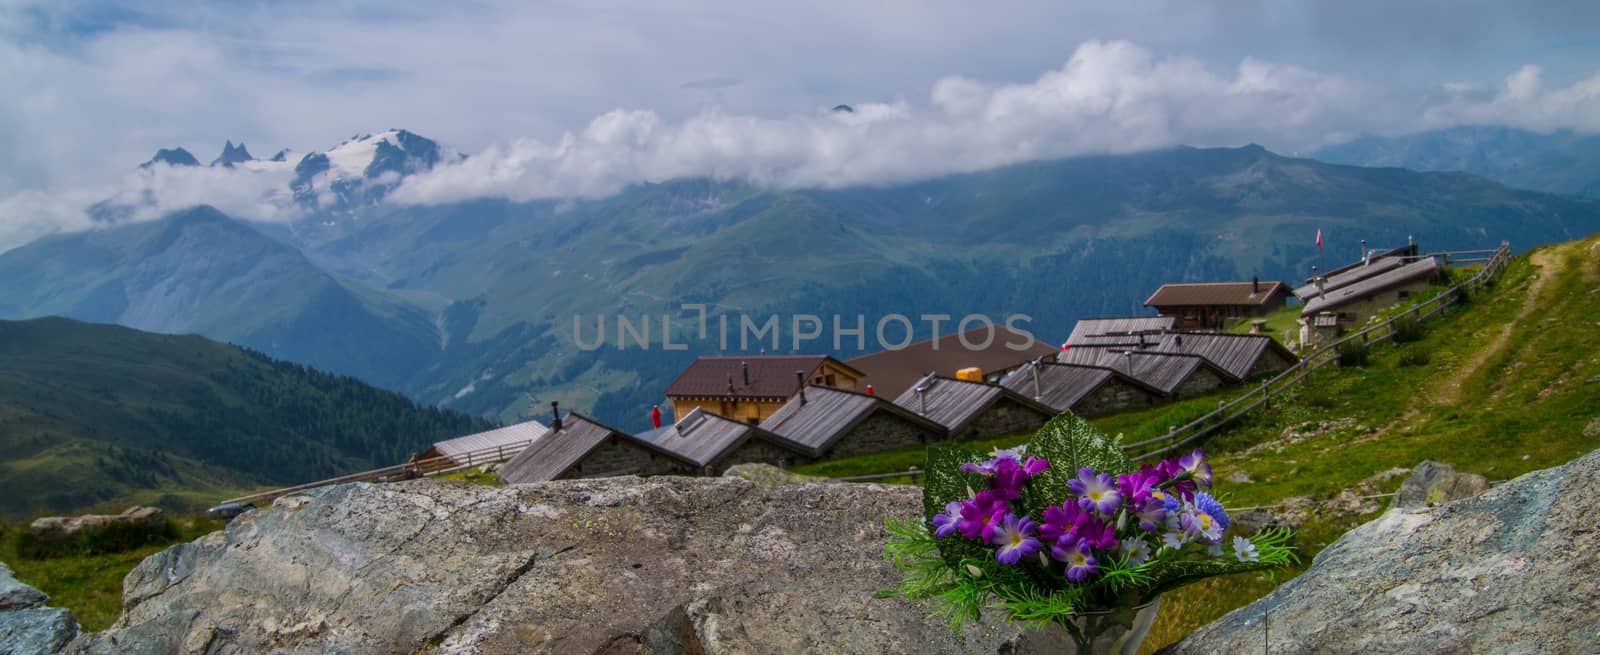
(1562, 161)
(473, 304)
(98, 416)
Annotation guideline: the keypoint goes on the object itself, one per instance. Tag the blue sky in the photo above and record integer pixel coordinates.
(577, 97)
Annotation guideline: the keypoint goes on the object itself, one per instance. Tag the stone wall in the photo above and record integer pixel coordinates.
(881, 431)
(756, 451)
(1355, 314)
(1004, 417)
(1271, 361)
(1113, 396)
(617, 455)
(1203, 380)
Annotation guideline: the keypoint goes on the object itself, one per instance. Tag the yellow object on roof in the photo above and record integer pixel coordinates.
(971, 374)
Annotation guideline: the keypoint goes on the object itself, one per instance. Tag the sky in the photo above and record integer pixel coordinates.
(579, 98)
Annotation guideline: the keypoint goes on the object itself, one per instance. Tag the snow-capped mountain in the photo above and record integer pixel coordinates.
(360, 171)
(231, 155)
(171, 157)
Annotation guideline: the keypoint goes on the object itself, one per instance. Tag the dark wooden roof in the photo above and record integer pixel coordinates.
(953, 403)
(1349, 275)
(1089, 331)
(1215, 293)
(891, 372)
(1427, 267)
(1165, 371)
(510, 435)
(1062, 386)
(1235, 353)
(704, 437)
(771, 376)
(1403, 251)
(558, 451)
(828, 414)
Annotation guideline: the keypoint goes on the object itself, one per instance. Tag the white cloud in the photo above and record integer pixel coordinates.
(1524, 101)
(1109, 97)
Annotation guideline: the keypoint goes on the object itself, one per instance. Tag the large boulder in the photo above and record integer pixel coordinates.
(620, 565)
(59, 529)
(27, 627)
(1512, 570)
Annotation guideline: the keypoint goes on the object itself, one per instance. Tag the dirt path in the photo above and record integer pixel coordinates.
(1551, 263)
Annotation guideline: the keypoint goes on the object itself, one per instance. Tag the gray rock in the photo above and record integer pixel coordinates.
(1240, 477)
(767, 475)
(619, 565)
(36, 631)
(1433, 483)
(17, 596)
(1513, 570)
(1593, 428)
(57, 529)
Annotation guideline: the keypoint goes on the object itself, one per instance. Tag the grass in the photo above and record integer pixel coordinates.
(1458, 393)
(1283, 325)
(89, 585)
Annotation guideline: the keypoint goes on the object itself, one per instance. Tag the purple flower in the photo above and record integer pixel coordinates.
(1059, 520)
(1182, 485)
(1096, 534)
(1080, 562)
(1195, 464)
(998, 455)
(1137, 486)
(1035, 466)
(979, 515)
(1151, 514)
(1204, 520)
(1009, 478)
(1096, 492)
(1015, 537)
(946, 524)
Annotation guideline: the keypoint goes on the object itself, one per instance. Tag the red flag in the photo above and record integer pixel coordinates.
(655, 415)
(1319, 238)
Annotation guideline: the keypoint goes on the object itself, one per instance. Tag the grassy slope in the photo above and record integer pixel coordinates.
(1511, 385)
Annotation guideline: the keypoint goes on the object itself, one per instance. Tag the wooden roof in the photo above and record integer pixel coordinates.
(511, 435)
(1349, 275)
(1165, 371)
(953, 403)
(558, 451)
(1403, 251)
(704, 436)
(1423, 268)
(1235, 353)
(1062, 386)
(1215, 293)
(771, 376)
(891, 372)
(1089, 331)
(828, 414)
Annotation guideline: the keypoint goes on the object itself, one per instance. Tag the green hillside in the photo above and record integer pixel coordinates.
(100, 416)
(1506, 384)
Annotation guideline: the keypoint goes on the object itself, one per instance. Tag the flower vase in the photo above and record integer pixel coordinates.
(1105, 633)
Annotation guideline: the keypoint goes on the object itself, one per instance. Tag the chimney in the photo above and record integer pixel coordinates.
(555, 421)
(1366, 257)
(730, 385)
(922, 399)
(1255, 284)
(745, 367)
(1127, 356)
(1037, 393)
(800, 379)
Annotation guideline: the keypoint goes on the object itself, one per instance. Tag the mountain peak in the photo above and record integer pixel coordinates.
(171, 157)
(231, 155)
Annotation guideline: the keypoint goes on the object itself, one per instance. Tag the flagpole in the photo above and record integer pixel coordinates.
(1322, 266)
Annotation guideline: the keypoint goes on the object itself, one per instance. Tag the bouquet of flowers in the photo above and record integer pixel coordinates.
(1065, 526)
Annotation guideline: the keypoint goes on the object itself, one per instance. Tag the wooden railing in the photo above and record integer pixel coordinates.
(1226, 413)
(421, 468)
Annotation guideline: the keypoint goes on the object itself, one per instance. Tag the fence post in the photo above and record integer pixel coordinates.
(915, 473)
(1266, 398)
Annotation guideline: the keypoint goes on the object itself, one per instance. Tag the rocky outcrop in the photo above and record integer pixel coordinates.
(1433, 483)
(1513, 570)
(58, 529)
(619, 565)
(27, 627)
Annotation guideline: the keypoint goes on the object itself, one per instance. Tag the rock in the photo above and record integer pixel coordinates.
(36, 631)
(1240, 477)
(1593, 428)
(17, 596)
(57, 529)
(768, 476)
(1512, 570)
(616, 565)
(1433, 483)
(1251, 521)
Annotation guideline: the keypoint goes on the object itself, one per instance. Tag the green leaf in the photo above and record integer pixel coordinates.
(1070, 443)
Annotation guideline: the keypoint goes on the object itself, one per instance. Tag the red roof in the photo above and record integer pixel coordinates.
(771, 376)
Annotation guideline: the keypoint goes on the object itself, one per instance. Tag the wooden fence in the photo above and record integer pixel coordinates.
(421, 468)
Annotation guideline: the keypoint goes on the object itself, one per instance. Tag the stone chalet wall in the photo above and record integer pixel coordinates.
(616, 455)
(756, 451)
(1357, 313)
(1113, 396)
(1203, 380)
(1005, 417)
(881, 431)
(1271, 361)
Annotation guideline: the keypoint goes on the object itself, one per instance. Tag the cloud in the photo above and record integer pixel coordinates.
(1109, 97)
(1524, 101)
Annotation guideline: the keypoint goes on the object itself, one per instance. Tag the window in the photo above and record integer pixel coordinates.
(831, 381)
(1403, 294)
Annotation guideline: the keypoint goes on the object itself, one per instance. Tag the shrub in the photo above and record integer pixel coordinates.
(115, 538)
(1353, 353)
(1406, 328)
(1414, 357)
(1314, 396)
(1464, 295)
